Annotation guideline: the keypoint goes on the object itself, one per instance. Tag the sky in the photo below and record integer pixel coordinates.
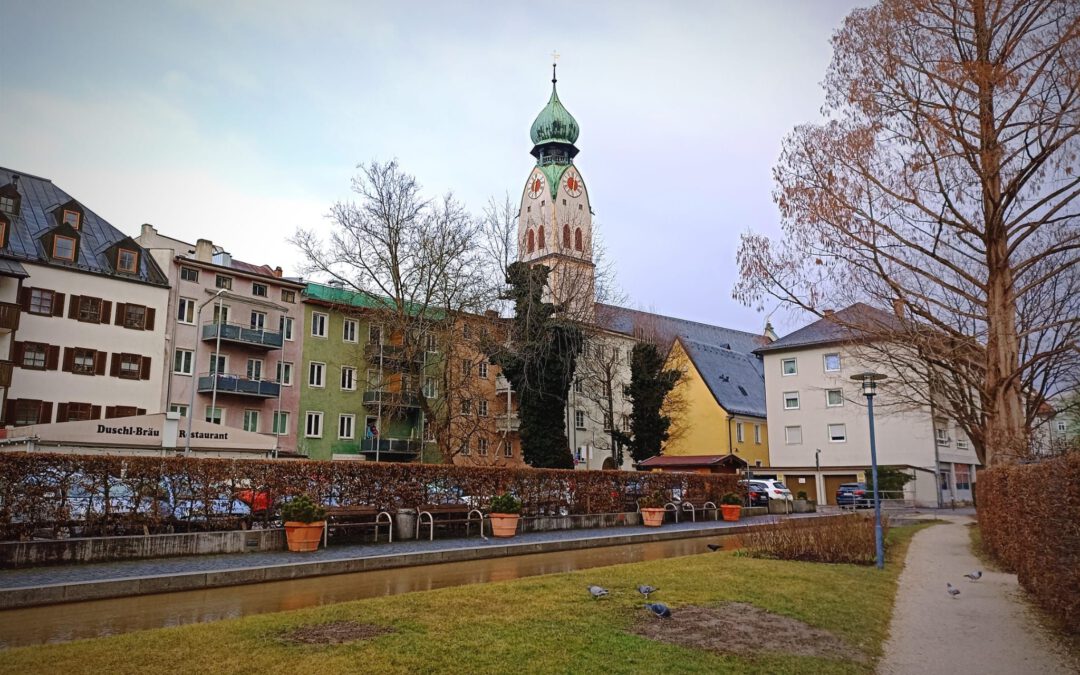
(239, 121)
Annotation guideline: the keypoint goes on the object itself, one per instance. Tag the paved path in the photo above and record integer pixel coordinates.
(988, 629)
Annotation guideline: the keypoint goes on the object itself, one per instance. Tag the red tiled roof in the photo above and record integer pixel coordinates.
(689, 460)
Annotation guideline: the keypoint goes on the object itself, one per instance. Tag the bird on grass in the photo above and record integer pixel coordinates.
(954, 592)
(713, 547)
(974, 576)
(646, 590)
(659, 609)
(598, 592)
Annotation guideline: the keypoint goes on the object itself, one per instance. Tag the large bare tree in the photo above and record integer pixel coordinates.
(944, 183)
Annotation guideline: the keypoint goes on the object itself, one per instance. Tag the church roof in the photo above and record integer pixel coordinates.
(667, 328)
(736, 380)
(554, 124)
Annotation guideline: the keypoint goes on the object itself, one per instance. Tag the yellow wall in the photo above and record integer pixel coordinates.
(703, 424)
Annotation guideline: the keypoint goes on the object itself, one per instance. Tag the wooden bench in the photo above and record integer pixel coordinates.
(446, 516)
(698, 503)
(342, 520)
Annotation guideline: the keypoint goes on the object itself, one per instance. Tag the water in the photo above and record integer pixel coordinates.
(97, 618)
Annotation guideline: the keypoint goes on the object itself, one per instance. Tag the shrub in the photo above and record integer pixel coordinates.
(801, 495)
(505, 503)
(731, 499)
(1035, 531)
(654, 500)
(838, 539)
(302, 510)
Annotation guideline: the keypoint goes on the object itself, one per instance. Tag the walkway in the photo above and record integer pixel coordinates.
(987, 629)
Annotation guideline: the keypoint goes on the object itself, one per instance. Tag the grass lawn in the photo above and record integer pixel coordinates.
(545, 624)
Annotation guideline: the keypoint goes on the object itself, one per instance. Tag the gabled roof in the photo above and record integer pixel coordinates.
(667, 328)
(658, 461)
(39, 200)
(736, 380)
(842, 326)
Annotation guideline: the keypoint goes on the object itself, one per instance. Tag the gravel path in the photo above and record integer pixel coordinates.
(988, 629)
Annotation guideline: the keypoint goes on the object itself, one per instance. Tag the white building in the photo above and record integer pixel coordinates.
(818, 423)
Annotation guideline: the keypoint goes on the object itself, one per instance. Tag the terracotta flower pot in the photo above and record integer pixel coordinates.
(652, 517)
(730, 512)
(503, 524)
(304, 536)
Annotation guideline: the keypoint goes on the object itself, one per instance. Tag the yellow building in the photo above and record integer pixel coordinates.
(721, 407)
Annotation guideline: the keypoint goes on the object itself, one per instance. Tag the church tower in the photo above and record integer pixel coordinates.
(555, 220)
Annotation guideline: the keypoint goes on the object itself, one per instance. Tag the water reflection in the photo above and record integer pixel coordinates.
(61, 623)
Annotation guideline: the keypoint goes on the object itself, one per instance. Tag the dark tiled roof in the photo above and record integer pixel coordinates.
(690, 460)
(629, 321)
(12, 268)
(736, 380)
(39, 198)
(843, 326)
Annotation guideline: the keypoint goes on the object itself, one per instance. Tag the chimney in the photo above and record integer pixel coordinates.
(204, 250)
(147, 230)
(277, 271)
(15, 181)
(336, 283)
(223, 258)
(898, 307)
(770, 334)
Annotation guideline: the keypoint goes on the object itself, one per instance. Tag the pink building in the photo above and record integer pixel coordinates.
(234, 332)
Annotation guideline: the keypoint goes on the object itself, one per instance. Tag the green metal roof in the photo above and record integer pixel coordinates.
(554, 124)
(341, 296)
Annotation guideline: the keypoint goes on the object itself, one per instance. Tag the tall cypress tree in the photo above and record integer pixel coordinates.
(539, 365)
(649, 385)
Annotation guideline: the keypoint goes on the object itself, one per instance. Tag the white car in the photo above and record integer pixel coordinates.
(773, 488)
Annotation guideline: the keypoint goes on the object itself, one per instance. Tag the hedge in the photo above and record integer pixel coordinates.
(95, 495)
(1029, 518)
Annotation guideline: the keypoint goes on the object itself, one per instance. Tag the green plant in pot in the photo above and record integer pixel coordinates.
(731, 506)
(504, 513)
(652, 508)
(801, 495)
(305, 522)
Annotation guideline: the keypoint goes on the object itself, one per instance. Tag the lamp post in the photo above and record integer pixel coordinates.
(195, 365)
(869, 382)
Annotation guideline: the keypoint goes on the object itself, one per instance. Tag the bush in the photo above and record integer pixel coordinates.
(731, 499)
(302, 510)
(801, 495)
(838, 539)
(654, 500)
(1035, 530)
(505, 503)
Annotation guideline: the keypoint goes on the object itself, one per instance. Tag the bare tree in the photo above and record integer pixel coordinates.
(943, 184)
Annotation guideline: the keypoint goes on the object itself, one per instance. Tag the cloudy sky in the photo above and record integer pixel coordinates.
(239, 121)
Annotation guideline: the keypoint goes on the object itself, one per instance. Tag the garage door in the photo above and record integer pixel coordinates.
(833, 483)
(801, 483)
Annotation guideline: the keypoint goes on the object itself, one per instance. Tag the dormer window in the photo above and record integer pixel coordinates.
(72, 218)
(7, 204)
(127, 261)
(3, 232)
(63, 248)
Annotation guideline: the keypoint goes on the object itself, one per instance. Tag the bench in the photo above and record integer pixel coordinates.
(343, 520)
(447, 516)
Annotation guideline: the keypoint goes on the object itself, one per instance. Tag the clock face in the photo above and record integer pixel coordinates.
(536, 186)
(572, 184)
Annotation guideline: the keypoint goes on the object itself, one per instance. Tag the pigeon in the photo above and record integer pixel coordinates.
(646, 590)
(659, 609)
(974, 576)
(952, 591)
(598, 592)
(713, 547)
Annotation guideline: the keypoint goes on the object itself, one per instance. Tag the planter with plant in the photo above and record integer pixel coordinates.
(731, 506)
(801, 503)
(504, 513)
(305, 522)
(652, 509)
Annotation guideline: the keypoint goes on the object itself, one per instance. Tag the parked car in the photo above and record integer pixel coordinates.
(855, 495)
(772, 488)
(757, 494)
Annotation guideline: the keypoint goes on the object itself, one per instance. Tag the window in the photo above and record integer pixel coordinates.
(288, 295)
(431, 388)
(313, 424)
(251, 420)
(626, 423)
(466, 331)
(182, 361)
(219, 363)
(791, 400)
(346, 427)
(942, 436)
(508, 449)
(374, 333)
(135, 317)
(254, 369)
(83, 361)
(130, 366)
(579, 419)
(482, 408)
(316, 374)
(7, 204)
(348, 330)
(565, 234)
(259, 290)
(179, 408)
(430, 342)
(27, 411)
(832, 363)
(578, 387)
(221, 313)
(34, 355)
(739, 432)
(834, 397)
(112, 413)
(281, 423)
(789, 367)
(318, 324)
(222, 281)
(963, 476)
(541, 240)
(757, 434)
(214, 415)
(482, 370)
(530, 241)
(348, 378)
(961, 444)
(258, 321)
(837, 433)
(189, 274)
(466, 406)
(41, 301)
(284, 373)
(465, 448)
(127, 260)
(793, 435)
(577, 237)
(466, 368)
(63, 248)
(185, 310)
(481, 447)
(71, 218)
(89, 309)
(286, 327)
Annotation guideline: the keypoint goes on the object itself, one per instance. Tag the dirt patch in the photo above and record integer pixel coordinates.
(334, 633)
(746, 630)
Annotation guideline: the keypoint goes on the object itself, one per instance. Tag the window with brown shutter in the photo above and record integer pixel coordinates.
(33, 355)
(95, 411)
(73, 306)
(58, 304)
(121, 411)
(133, 316)
(24, 411)
(52, 359)
(149, 323)
(69, 360)
(99, 363)
(120, 313)
(144, 374)
(130, 366)
(114, 366)
(74, 412)
(62, 412)
(41, 301)
(45, 416)
(83, 361)
(106, 311)
(89, 309)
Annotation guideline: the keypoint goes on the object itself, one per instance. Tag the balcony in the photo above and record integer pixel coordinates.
(9, 317)
(5, 373)
(392, 356)
(392, 399)
(391, 449)
(243, 335)
(502, 385)
(235, 384)
(508, 422)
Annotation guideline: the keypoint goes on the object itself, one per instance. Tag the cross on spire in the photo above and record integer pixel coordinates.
(554, 62)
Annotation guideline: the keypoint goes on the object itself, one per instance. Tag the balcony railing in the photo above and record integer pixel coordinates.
(9, 316)
(241, 334)
(502, 385)
(508, 422)
(5, 373)
(391, 354)
(391, 398)
(235, 384)
(391, 448)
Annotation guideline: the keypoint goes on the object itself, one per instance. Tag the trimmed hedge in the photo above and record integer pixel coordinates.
(1029, 518)
(96, 495)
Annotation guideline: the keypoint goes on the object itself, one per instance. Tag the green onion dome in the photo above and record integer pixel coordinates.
(554, 124)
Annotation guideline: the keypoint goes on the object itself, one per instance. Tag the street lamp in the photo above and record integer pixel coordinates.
(869, 382)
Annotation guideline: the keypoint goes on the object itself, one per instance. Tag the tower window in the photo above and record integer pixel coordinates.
(528, 209)
(540, 236)
(577, 240)
(530, 242)
(564, 202)
(566, 236)
(580, 207)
